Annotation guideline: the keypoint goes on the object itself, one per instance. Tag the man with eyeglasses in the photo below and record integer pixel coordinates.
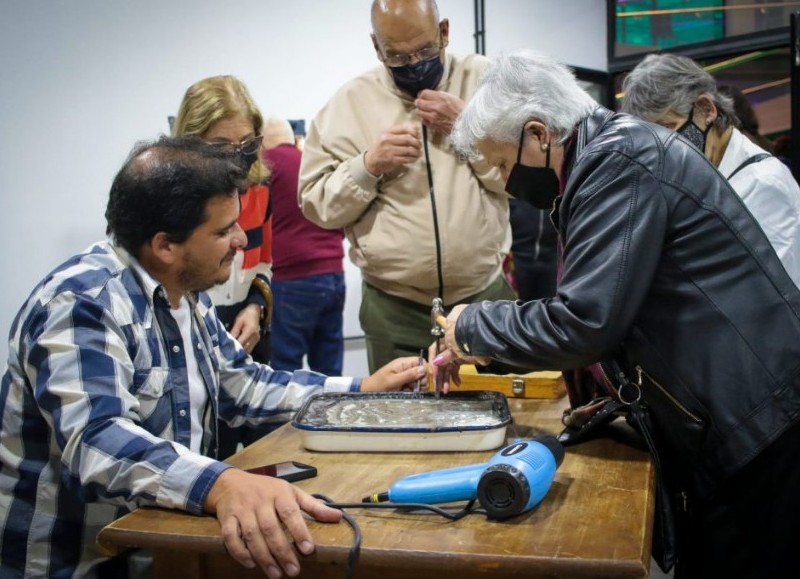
(422, 223)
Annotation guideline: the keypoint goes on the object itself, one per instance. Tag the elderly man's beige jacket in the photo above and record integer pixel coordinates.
(389, 219)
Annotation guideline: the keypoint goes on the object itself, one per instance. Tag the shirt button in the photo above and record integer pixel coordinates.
(182, 413)
(176, 349)
(199, 346)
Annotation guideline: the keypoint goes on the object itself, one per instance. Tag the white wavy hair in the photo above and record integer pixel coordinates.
(515, 89)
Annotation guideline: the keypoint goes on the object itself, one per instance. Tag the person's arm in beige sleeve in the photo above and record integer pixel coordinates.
(488, 176)
(336, 186)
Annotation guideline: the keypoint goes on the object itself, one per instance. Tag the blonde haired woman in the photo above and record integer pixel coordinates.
(220, 110)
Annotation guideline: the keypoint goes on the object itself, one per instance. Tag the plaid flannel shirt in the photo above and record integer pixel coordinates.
(95, 414)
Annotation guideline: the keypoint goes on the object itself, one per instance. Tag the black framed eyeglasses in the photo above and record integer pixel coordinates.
(395, 60)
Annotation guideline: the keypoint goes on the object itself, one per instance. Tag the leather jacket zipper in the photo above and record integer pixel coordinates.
(640, 372)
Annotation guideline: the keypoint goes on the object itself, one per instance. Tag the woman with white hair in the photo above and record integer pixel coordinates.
(667, 279)
(675, 92)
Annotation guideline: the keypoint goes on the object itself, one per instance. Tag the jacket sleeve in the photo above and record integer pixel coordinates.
(266, 236)
(489, 177)
(772, 196)
(614, 220)
(253, 393)
(260, 292)
(334, 187)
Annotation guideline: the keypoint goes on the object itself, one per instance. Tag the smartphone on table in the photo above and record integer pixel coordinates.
(289, 470)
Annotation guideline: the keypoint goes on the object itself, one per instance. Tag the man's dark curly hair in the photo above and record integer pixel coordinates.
(165, 185)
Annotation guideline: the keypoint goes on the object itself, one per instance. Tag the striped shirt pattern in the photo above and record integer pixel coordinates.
(95, 412)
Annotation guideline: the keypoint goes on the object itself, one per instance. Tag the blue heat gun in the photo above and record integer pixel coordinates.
(513, 481)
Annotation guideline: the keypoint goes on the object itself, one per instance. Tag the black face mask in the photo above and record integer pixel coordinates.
(538, 186)
(694, 134)
(412, 78)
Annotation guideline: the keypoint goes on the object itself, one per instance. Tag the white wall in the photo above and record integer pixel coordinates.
(573, 31)
(83, 80)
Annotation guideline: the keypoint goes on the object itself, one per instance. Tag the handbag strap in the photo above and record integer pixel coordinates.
(749, 161)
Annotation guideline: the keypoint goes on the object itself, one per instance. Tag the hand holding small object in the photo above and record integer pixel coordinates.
(398, 146)
(438, 110)
(448, 362)
(394, 375)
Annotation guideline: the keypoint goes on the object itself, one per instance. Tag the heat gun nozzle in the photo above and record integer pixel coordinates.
(376, 498)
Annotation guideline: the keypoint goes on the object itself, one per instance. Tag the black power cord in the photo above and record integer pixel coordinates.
(355, 547)
(436, 235)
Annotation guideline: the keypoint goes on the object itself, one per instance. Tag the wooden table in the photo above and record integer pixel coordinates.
(595, 522)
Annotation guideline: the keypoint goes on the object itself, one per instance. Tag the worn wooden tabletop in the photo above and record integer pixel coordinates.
(595, 521)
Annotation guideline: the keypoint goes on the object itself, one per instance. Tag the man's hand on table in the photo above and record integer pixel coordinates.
(253, 510)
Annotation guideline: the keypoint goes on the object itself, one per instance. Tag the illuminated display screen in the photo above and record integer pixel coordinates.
(636, 25)
(642, 26)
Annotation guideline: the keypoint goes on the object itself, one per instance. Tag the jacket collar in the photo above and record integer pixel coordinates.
(590, 126)
(151, 288)
(587, 130)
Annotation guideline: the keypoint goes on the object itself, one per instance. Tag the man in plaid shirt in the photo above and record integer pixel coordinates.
(118, 369)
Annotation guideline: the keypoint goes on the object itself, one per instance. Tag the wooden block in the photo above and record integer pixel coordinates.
(530, 385)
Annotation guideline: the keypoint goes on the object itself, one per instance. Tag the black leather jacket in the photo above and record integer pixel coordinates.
(664, 268)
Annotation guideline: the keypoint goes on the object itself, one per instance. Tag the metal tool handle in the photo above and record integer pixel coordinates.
(438, 319)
